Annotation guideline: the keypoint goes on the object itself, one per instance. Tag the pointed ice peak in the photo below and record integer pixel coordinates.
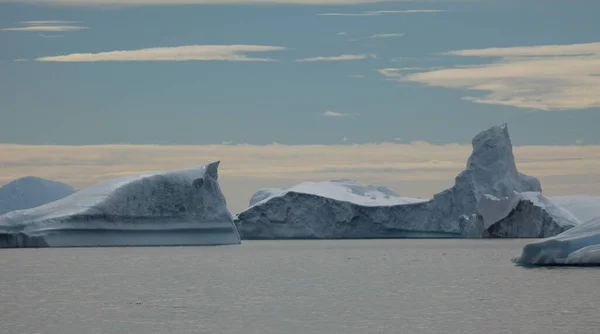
(492, 148)
(212, 169)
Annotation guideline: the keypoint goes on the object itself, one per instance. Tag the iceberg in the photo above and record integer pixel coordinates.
(337, 210)
(579, 245)
(178, 207)
(29, 192)
(523, 215)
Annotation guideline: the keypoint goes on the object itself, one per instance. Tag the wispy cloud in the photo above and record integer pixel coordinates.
(45, 28)
(178, 53)
(345, 57)
(547, 77)
(342, 33)
(383, 12)
(356, 76)
(390, 35)
(411, 167)
(397, 73)
(20, 60)
(332, 113)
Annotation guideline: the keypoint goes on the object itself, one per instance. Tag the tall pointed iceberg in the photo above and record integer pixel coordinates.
(295, 213)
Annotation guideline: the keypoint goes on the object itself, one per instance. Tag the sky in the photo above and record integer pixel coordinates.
(341, 74)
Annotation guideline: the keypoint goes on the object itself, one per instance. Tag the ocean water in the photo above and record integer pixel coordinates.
(329, 286)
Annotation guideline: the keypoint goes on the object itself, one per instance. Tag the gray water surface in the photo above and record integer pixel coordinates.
(329, 286)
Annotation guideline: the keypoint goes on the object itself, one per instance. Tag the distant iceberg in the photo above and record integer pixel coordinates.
(523, 215)
(179, 207)
(337, 210)
(579, 245)
(29, 192)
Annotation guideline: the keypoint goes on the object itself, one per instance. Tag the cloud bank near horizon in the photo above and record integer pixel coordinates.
(415, 169)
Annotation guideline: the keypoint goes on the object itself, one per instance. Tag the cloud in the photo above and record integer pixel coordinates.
(47, 28)
(356, 76)
(386, 35)
(342, 33)
(397, 139)
(338, 58)
(20, 60)
(345, 139)
(178, 53)
(332, 113)
(396, 73)
(410, 168)
(383, 12)
(547, 77)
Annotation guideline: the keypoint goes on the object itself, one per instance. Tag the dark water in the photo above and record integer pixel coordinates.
(358, 286)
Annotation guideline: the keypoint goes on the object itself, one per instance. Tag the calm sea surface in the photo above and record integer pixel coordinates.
(355, 286)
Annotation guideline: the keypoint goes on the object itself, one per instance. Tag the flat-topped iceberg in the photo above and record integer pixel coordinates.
(321, 213)
(579, 245)
(29, 192)
(178, 207)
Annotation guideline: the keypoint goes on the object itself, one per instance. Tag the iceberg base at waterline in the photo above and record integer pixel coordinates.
(171, 208)
(578, 246)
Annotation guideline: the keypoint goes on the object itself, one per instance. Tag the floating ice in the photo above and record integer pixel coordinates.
(334, 210)
(29, 192)
(179, 207)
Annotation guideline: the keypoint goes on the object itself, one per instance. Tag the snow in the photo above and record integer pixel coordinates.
(29, 192)
(322, 210)
(178, 207)
(341, 190)
(579, 245)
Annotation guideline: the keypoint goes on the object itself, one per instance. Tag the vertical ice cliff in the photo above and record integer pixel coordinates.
(523, 215)
(490, 170)
(29, 192)
(178, 207)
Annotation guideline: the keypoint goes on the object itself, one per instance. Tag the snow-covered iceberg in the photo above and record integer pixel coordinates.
(579, 245)
(29, 192)
(178, 207)
(523, 215)
(321, 213)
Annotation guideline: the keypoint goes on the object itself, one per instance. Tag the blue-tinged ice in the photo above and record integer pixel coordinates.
(577, 246)
(177, 207)
(347, 209)
(29, 192)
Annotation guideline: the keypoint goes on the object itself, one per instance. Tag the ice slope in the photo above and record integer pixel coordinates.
(577, 246)
(178, 207)
(29, 192)
(342, 190)
(523, 215)
(490, 170)
(584, 208)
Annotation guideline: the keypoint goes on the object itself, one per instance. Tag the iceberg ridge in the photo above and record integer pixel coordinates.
(178, 207)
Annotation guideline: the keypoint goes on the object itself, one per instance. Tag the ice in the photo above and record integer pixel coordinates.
(342, 190)
(584, 208)
(577, 246)
(178, 207)
(523, 215)
(29, 192)
(320, 210)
